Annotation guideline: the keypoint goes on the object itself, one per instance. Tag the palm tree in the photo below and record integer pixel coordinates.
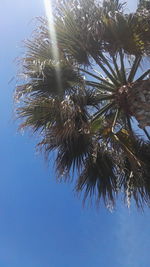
(82, 91)
(144, 4)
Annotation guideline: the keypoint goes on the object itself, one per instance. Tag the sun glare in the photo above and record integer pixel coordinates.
(52, 32)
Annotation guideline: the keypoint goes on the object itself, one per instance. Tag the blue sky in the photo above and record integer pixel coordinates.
(42, 222)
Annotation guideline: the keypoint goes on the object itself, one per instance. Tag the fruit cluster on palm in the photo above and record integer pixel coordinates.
(84, 101)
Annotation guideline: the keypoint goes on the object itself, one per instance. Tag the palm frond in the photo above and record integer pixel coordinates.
(99, 178)
(113, 6)
(71, 137)
(136, 183)
(39, 113)
(42, 78)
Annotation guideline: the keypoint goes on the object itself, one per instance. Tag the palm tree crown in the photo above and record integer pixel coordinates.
(83, 103)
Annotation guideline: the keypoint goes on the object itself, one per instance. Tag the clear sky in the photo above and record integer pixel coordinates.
(42, 222)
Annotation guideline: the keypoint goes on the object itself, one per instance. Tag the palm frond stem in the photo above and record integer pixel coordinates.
(129, 123)
(143, 75)
(116, 68)
(146, 133)
(97, 77)
(123, 72)
(108, 65)
(103, 110)
(128, 150)
(134, 68)
(115, 120)
(99, 86)
(110, 76)
(102, 97)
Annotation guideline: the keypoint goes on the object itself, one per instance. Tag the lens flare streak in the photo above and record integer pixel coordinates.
(52, 33)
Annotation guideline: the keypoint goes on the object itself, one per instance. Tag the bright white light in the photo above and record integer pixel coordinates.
(52, 32)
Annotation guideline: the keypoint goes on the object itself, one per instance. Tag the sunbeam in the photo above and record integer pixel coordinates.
(52, 33)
